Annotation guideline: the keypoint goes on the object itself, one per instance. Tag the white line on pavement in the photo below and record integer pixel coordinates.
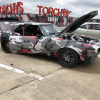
(20, 71)
(11, 68)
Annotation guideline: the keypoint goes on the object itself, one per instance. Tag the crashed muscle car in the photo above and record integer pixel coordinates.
(46, 38)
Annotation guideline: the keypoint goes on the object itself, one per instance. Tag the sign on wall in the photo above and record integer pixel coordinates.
(53, 11)
(15, 8)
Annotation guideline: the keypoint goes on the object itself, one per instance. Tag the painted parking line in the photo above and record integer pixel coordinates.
(20, 71)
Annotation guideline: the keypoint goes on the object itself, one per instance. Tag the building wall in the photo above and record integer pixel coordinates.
(57, 20)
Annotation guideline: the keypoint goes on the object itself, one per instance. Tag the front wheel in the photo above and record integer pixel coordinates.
(67, 57)
(5, 45)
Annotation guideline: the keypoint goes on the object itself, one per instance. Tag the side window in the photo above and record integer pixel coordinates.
(89, 26)
(94, 26)
(32, 30)
(28, 30)
(83, 27)
(19, 30)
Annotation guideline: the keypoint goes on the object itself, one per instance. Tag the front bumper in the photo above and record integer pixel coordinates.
(92, 60)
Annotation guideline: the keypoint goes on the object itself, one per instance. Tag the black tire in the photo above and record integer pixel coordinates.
(5, 45)
(67, 57)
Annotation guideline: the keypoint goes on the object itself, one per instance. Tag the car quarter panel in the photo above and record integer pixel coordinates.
(93, 33)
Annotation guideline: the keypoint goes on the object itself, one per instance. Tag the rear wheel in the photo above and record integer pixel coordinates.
(67, 57)
(5, 45)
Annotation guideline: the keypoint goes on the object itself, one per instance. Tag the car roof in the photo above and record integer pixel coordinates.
(33, 23)
(14, 26)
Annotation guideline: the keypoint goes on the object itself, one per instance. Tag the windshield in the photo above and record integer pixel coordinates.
(50, 29)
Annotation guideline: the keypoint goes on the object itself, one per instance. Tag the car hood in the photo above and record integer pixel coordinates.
(73, 26)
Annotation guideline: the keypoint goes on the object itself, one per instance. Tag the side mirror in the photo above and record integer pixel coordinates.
(38, 35)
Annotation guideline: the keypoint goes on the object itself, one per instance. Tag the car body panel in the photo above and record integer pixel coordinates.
(93, 33)
(80, 31)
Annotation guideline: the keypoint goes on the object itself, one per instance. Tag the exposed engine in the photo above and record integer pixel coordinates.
(80, 38)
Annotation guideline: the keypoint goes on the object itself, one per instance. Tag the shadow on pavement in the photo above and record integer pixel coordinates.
(85, 67)
(42, 57)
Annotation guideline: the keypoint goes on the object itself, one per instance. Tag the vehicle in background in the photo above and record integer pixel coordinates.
(89, 29)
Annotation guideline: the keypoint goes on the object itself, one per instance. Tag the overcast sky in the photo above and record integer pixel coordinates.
(78, 7)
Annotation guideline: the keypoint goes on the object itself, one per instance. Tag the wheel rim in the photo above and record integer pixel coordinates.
(67, 57)
(6, 45)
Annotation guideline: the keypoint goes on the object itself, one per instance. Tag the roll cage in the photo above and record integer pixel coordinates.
(28, 30)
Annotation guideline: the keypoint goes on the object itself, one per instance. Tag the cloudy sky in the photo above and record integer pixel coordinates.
(78, 7)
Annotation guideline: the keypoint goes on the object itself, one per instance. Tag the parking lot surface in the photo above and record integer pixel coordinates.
(79, 83)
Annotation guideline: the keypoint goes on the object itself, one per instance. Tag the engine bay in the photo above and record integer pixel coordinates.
(80, 38)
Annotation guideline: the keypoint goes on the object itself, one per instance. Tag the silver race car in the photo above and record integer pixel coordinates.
(46, 38)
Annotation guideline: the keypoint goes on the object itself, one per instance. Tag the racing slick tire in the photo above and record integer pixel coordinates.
(67, 57)
(5, 45)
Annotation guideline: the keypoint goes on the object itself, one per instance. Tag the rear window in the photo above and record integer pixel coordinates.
(94, 26)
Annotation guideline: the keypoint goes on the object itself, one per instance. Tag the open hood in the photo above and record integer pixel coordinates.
(78, 22)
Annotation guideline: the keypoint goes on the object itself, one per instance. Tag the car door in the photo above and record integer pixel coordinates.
(81, 30)
(93, 30)
(25, 43)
